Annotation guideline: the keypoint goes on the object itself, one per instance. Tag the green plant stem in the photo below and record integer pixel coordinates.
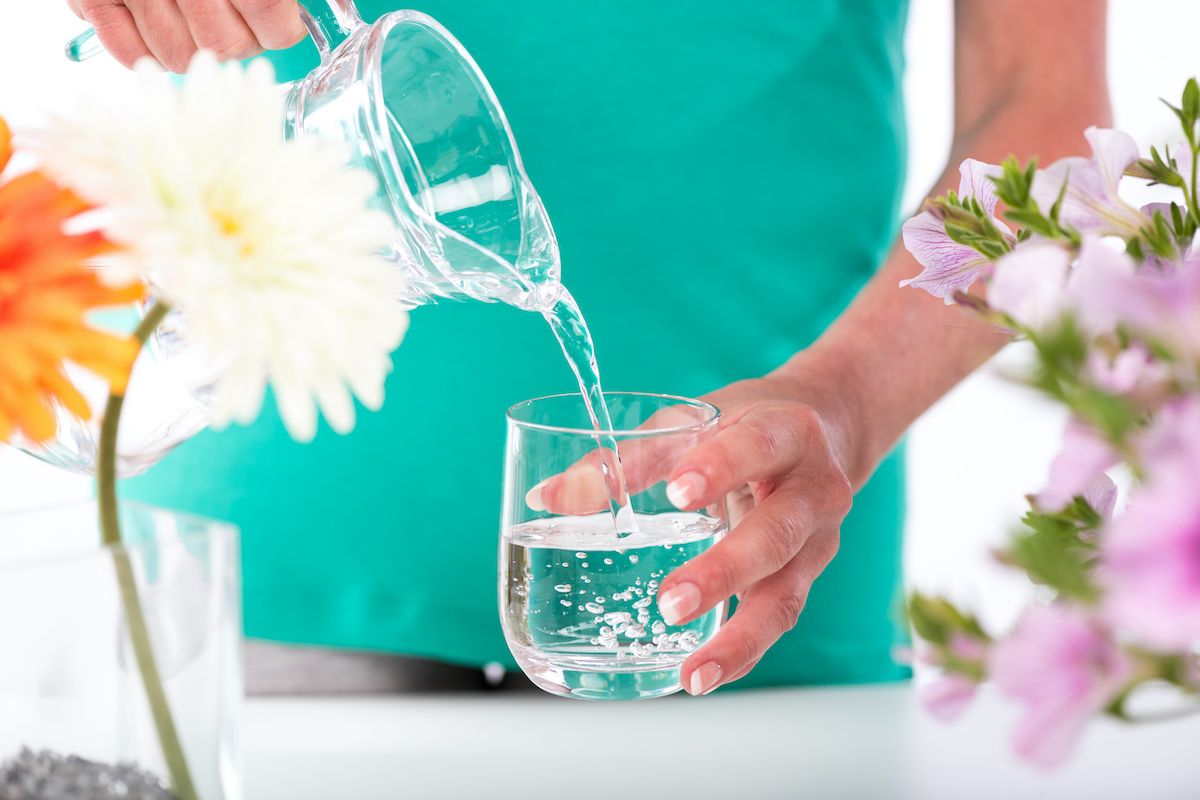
(110, 535)
(1195, 148)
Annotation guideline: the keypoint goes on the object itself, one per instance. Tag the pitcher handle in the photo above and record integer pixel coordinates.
(329, 25)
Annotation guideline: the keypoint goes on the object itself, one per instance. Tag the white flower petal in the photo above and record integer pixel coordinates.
(268, 247)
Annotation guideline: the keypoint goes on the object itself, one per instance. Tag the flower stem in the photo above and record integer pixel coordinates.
(110, 535)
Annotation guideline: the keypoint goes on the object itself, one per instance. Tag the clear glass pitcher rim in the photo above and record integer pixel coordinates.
(381, 28)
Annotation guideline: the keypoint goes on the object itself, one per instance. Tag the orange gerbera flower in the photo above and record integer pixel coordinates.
(46, 292)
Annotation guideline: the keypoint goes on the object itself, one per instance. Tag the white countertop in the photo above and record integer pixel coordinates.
(863, 742)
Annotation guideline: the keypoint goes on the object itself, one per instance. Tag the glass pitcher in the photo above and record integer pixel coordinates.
(418, 114)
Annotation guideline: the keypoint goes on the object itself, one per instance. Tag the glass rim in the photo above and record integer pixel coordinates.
(210, 528)
(714, 415)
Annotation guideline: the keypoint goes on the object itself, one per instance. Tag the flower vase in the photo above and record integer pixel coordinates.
(74, 716)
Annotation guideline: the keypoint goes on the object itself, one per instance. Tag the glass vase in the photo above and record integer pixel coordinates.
(74, 714)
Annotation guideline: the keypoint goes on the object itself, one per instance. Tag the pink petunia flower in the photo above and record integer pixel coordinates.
(1159, 304)
(1101, 495)
(1165, 307)
(1029, 284)
(1132, 371)
(1084, 456)
(1101, 286)
(1061, 664)
(950, 267)
(1091, 202)
(949, 694)
(1151, 554)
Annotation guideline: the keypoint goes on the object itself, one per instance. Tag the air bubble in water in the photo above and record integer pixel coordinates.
(581, 555)
(645, 601)
(633, 559)
(594, 608)
(658, 627)
(566, 603)
(608, 561)
(562, 588)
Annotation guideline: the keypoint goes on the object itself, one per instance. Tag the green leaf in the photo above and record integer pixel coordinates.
(1062, 352)
(1191, 100)
(1051, 551)
(936, 619)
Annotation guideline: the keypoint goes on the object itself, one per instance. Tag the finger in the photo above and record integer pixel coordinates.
(645, 461)
(77, 7)
(275, 23)
(766, 540)
(116, 30)
(217, 26)
(767, 612)
(765, 441)
(582, 488)
(165, 32)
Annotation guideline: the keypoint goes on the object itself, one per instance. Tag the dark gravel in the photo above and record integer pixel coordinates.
(44, 775)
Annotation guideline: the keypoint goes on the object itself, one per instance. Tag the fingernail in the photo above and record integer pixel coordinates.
(705, 678)
(533, 498)
(678, 602)
(684, 491)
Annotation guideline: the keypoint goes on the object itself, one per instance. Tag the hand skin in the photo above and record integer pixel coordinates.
(170, 31)
(795, 444)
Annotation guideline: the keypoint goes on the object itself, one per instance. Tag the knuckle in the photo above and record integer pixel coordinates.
(831, 545)
(743, 647)
(716, 573)
(179, 57)
(764, 441)
(101, 14)
(787, 610)
(777, 537)
(806, 422)
(261, 7)
(266, 9)
(226, 44)
(722, 461)
(840, 494)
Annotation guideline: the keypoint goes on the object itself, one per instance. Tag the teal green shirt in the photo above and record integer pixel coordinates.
(722, 179)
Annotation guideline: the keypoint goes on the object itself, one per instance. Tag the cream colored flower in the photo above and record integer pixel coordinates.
(266, 245)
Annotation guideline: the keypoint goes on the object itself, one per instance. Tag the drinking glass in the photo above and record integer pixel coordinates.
(578, 600)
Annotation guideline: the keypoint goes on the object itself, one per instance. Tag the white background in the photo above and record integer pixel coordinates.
(973, 456)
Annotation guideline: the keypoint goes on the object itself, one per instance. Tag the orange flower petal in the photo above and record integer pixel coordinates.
(56, 385)
(34, 419)
(47, 290)
(5, 146)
